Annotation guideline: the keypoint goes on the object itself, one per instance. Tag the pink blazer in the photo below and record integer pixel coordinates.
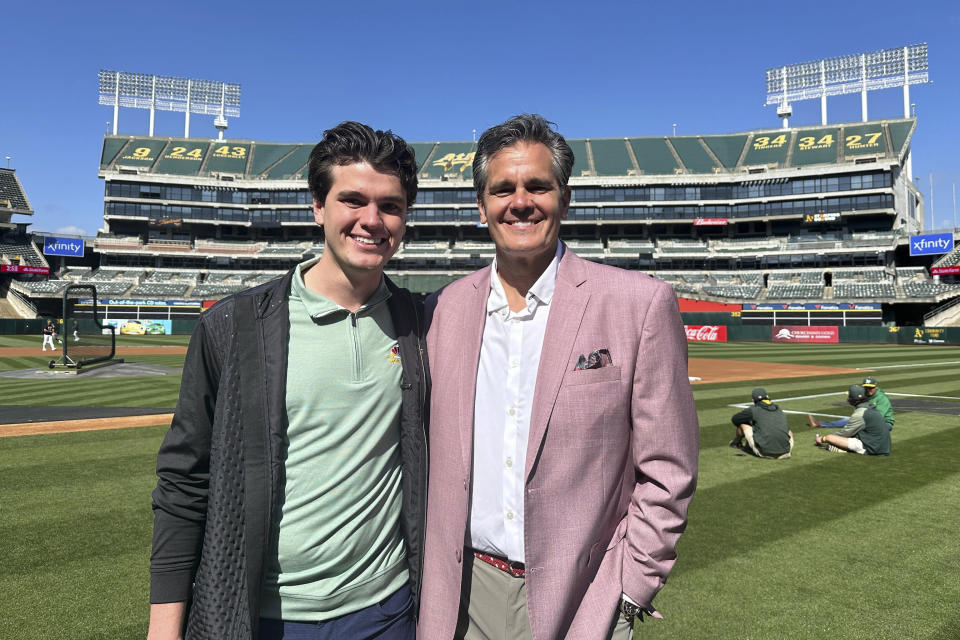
(611, 460)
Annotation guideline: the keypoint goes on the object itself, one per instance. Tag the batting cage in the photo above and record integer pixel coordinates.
(86, 340)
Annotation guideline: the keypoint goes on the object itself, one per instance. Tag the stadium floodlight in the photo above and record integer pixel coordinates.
(862, 72)
(169, 93)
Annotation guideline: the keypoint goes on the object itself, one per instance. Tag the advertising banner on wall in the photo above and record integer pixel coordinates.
(944, 271)
(23, 268)
(812, 306)
(926, 335)
(53, 246)
(805, 334)
(931, 243)
(710, 222)
(141, 327)
(706, 332)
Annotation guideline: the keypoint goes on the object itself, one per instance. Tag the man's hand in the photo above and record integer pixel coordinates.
(166, 621)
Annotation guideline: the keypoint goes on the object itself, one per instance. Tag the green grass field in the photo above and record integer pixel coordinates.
(822, 546)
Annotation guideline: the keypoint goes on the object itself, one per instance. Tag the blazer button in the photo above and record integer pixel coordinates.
(459, 556)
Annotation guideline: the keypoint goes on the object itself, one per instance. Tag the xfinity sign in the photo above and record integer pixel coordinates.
(62, 247)
(931, 243)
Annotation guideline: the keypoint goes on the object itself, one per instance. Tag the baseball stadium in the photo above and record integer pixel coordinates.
(801, 262)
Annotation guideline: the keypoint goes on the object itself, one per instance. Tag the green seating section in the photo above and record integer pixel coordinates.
(422, 152)
(293, 166)
(653, 156)
(12, 192)
(768, 147)
(265, 155)
(805, 146)
(694, 157)
(726, 148)
(610, 157)
(423, 282)
(141, 152)
(815, 146)
(111, 147)
(228, 157)
(864, 139)
(182, 157)
(899, 132)
(580, 159)
(451, 158)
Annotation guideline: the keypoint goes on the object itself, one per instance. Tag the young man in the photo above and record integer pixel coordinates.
(866, 432)
(764, 427)
(563, 432)
(292, 483)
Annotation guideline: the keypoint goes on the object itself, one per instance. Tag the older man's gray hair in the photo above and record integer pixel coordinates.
(523, 128)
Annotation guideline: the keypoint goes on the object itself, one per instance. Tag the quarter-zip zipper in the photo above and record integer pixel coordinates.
(355, 338)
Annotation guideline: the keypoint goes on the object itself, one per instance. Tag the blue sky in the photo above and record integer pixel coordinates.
(438, 70)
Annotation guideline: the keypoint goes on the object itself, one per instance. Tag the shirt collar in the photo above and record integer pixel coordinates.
(541, 292)
(319, 306)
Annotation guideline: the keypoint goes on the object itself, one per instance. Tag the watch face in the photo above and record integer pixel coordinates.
(630, 610)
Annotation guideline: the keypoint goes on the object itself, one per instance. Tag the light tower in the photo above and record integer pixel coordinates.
(169, 93)
(856, 73)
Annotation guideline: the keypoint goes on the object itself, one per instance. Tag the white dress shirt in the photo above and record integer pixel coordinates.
(506, 379)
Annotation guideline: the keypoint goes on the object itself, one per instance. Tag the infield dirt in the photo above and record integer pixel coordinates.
(706, 369)
(713, 370)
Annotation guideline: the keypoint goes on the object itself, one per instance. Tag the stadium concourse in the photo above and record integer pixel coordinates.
(806, 215)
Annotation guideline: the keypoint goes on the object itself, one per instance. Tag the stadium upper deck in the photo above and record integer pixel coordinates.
(692, 209)
(245, 204)
(13, 200)
(882, 143)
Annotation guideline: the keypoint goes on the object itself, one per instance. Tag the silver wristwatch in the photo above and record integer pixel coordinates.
(628, 609)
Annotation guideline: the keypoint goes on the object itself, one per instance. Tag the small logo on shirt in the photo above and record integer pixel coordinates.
(394, 357)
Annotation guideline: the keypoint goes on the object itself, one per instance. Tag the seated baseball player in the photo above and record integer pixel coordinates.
(866, 433)
(763, 428)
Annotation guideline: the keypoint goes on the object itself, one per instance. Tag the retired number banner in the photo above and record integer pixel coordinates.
(806, 334)
(706, 332)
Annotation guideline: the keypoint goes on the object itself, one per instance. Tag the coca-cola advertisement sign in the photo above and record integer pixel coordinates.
(806, 334)
(706, 332)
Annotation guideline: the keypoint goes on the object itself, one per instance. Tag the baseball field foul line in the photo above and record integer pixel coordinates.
(902, 366)
(93, 424)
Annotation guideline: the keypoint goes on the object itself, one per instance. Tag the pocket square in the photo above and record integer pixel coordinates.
(596, 360)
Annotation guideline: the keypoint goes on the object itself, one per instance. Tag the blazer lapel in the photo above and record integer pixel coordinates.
(566, 312)
(473, 317)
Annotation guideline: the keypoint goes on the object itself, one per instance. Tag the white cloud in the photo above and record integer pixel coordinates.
(72, 230)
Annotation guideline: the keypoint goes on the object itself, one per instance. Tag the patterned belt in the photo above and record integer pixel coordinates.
(515, 569)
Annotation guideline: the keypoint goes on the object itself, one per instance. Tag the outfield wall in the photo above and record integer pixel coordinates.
(19, 326)
(736, 332)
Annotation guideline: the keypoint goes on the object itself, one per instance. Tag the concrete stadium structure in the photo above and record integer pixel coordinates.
(818, 214)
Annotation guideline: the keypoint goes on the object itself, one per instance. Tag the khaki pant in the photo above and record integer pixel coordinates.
(493, 606)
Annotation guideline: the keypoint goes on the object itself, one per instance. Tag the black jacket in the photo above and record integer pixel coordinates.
(219, 469)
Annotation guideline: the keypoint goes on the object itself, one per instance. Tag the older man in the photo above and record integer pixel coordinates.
(563, 432)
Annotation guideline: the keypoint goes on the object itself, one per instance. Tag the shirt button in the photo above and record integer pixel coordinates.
(509, 462)
(509, 515)
(459, 556)
(512, 411)
(514, 363)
